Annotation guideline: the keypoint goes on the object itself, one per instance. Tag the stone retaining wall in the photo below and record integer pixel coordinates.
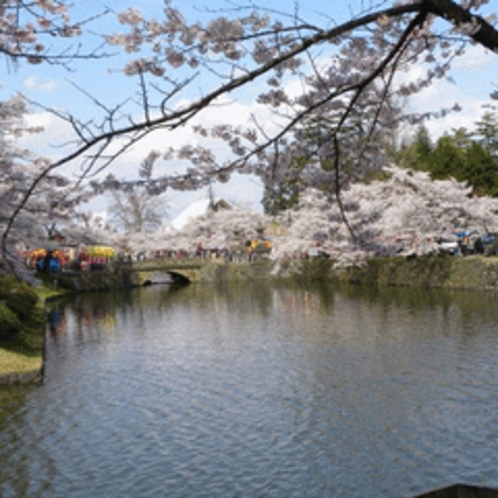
(450, 272)
(454, 272)
(34, 376)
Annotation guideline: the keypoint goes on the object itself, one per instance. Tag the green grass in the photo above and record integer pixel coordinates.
(17, 363)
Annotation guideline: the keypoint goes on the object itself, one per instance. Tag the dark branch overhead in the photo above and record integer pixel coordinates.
(472, 25)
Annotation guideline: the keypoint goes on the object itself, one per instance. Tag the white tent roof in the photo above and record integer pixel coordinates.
(194, 210)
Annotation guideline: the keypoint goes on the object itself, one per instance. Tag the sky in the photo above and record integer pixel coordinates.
(473, 78)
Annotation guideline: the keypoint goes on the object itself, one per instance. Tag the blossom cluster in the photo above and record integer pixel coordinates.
(406, 214)
(23, 29)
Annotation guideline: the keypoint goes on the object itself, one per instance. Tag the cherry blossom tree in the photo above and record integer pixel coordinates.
(405, 214)
(27, 33)
(346, 107)
(28, 29)
(52, 200)
(225, 230)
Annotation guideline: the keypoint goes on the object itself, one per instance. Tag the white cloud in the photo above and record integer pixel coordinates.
(57, 136)
(32, 83)
(470, 82)
(475, 57)
(50, 140)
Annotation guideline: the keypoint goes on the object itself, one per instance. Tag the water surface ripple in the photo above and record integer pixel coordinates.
(258, 390)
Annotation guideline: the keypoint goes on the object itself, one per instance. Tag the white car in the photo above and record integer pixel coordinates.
(449, 246)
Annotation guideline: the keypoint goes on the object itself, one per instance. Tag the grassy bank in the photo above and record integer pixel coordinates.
(22, 327)
(18, 367)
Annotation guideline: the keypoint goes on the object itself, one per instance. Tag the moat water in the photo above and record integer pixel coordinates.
(258, 390)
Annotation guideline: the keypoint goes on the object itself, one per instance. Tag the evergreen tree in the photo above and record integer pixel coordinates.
(414, 153)
(487, 130)
(447, 160)
(423, 147)
(481, 171)
(466, 160)
(280, 198)
(462, 137)
(283, 185)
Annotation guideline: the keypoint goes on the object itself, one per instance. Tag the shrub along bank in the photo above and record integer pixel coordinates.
(21, 331)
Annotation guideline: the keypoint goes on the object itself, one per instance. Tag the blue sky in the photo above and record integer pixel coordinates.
(473, 78)
(52, 84)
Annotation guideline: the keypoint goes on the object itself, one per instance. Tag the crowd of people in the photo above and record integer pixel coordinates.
(45, 260)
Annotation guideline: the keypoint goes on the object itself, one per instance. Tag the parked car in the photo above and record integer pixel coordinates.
(463, 243)
(448, 246)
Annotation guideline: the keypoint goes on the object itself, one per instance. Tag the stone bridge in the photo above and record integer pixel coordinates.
(185, 270)
(168, 271)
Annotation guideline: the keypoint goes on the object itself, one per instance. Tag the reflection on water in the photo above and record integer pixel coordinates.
(258, 390)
